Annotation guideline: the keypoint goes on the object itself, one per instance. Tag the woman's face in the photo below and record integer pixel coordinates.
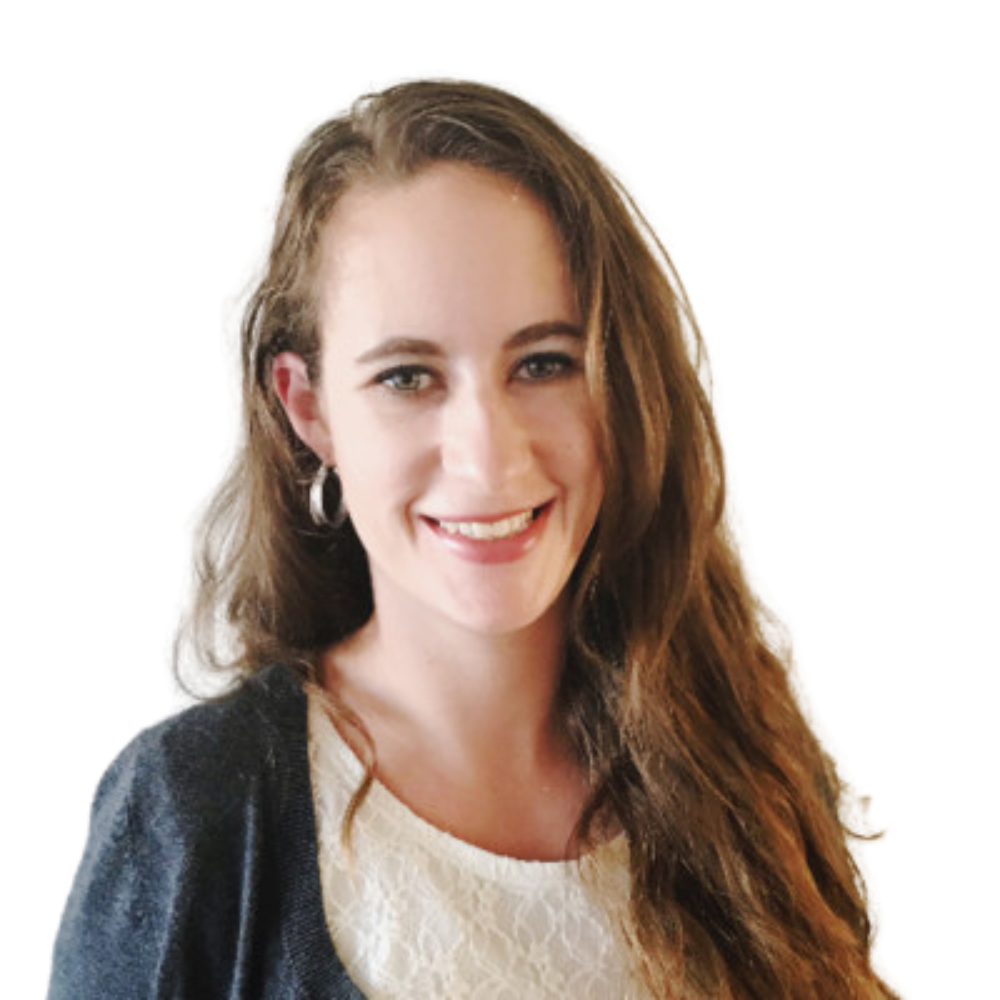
(454, 398)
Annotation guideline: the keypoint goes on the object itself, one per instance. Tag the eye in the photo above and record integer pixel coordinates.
(406, 379)
(549, 366)
(415, 380)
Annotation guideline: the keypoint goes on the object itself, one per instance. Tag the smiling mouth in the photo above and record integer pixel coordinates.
(491, 539)
(535, 511)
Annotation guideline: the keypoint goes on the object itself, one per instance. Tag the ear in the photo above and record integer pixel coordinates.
(301, 404)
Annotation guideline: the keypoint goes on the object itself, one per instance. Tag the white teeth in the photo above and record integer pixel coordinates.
(489, 530)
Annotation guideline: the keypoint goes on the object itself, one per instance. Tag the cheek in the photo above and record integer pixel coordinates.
(380, 471)
(581, 447)
(590, 472)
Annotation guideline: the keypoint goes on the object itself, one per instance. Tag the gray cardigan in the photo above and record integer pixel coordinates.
(200, 878)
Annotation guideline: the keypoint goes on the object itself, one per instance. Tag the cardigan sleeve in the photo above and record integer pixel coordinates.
(167, 894)
(110, 942)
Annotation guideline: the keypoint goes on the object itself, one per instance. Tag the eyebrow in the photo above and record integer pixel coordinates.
(395, 346)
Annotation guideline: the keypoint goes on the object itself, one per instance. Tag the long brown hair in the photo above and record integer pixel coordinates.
(742, 885)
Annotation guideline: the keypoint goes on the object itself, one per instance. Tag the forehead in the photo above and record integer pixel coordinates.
(453, 246)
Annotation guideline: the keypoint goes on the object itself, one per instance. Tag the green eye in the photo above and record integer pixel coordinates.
(405, 379)
(415, 380)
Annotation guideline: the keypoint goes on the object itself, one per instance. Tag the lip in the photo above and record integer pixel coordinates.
(491, 550)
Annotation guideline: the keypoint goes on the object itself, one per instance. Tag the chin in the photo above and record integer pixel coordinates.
(494, 619)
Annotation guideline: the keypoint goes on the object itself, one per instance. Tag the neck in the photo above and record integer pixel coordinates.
(464, 690)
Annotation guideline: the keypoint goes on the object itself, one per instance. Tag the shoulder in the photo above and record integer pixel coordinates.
(178, 848)
(197, 767)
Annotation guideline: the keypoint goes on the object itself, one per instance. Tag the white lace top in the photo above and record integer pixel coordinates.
(422, 914)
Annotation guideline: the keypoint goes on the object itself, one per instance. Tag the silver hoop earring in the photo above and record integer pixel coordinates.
(317, 505)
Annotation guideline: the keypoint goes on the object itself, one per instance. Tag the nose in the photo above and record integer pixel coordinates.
(484, 439)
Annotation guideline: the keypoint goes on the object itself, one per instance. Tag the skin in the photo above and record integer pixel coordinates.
(452, 397)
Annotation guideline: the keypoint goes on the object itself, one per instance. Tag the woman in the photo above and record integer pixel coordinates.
(505, 720)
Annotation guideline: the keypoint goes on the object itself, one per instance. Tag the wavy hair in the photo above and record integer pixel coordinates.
(742, 884)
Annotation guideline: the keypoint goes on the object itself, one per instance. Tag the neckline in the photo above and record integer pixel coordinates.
(276, 712)
(439, 842)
